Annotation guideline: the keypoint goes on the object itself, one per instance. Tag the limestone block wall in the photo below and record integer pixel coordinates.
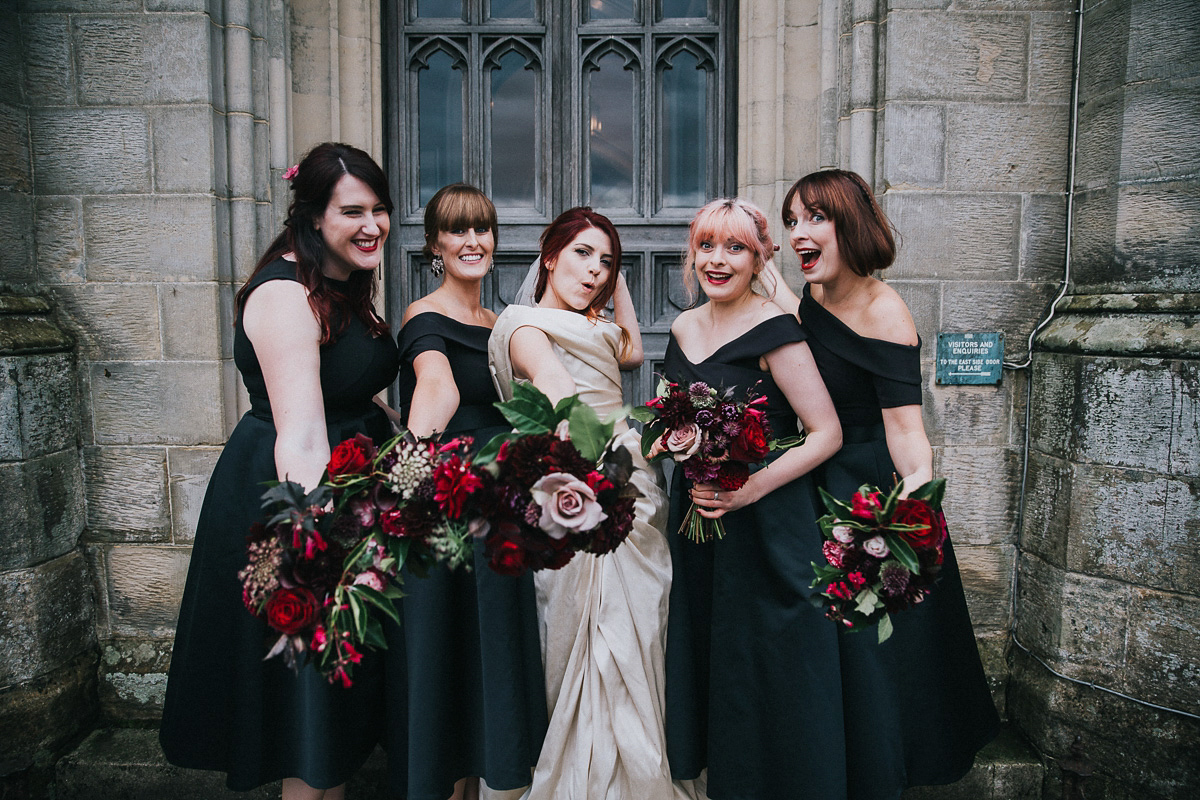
(1109, 573)
(148, 198)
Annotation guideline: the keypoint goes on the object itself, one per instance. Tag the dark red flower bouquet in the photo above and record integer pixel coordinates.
(883, 554)
(323, 560)
(714, 437)
(553, 487)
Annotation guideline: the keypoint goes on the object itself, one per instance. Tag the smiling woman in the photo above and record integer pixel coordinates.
(312, 354)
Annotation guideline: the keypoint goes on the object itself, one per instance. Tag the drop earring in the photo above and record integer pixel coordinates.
(437, 266)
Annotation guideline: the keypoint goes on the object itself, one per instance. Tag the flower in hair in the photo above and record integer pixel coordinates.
(290, 172)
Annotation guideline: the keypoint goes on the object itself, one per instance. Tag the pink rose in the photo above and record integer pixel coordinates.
(568, 505)
(876, 546)
(843, 533)
(683, 442)
(478, 527)
(370, 578)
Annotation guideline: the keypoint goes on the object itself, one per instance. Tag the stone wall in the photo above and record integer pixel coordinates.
(147, 200)
(1109, 574)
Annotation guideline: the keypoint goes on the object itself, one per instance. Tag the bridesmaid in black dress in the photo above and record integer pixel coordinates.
(312, 354)
(464, 675)
(916, 708)
(752, 674)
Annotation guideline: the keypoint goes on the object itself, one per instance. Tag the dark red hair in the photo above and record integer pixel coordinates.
(561, 233)
(312, 187)
(864, 235)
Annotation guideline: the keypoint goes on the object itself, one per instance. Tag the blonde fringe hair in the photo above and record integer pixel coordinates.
(725, 219)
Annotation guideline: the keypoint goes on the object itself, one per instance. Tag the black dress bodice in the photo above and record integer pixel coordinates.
(355, 365)
(465, 347)
(863, 375)
(735, 364)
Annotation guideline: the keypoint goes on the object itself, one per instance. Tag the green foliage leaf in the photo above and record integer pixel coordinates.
(931, 492)
(835, 506)
(903, 552)
(588, 433)
(487, 454)
(562, 409)
(868, 601)
(643, 414)
(885, 628)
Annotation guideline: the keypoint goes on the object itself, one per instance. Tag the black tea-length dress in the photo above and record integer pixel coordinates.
(226, 708)
(465, 692)
(753, 689)
(917, 707)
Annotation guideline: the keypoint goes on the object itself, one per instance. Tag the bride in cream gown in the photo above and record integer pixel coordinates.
(602, 618)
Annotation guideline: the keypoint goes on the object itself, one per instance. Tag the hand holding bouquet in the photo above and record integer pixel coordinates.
(713, 437)
(883, 554)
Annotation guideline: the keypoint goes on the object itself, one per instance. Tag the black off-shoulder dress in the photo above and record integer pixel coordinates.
(226, 708)
(465, 693)
(753, 685)
(916, 708)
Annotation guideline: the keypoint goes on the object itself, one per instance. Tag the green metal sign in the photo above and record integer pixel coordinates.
(970, 358)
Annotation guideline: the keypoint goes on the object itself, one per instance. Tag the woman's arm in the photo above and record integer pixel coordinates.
(626, 316)
(783, 297)
(908, 446)
(795, 372)
(534, 359)
(435, 398)
(286, 337)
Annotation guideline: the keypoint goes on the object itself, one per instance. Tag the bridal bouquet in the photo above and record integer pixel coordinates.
(323, 560)
(714, 437)
(883, 554)
(555, 486)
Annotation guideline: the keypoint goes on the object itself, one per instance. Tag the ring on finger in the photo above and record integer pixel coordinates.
(716, 496)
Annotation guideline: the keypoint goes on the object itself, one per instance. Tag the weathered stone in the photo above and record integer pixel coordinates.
(1043, 237)
(93, 151)
(127, 494)
(14, 149)
(914, 145)
(1163, 663)
(1104, 54)
(955, 236)
(1135, 526)
(1162, 136)
(1185, 442)
(183, 148)
(16, 237)
(982, 483)
(191, 320)
(987, 583)
(47, 615)
(134, 59)
(1098, 145)
(1047, 509)
(58, 237)
(84, 6)
(11, 57)
(157, 403)
(40, 716)
(113, 321)
(1005, 769)
(1012, 308)
(145, 585)
(1164, 37)
(189, 470)
(1113, 390)
(38, 404)
(41, 501)
(133, 677)
(968, 415)
(1162, 256)
(1051, 56)
(1134, 751)
(240, 141)
(1005, 147)
(149, 238)
(957, 56)
(49, 65)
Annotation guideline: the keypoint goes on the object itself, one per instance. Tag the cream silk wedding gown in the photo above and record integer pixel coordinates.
(602, 618)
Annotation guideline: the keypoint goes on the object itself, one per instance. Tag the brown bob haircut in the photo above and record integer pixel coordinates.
(864, 235)
(457, 207)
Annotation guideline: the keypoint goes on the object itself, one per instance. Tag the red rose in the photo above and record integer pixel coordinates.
(507, 558)
(352, 457)
(291, 610)
(930, 530)
(751, 444)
